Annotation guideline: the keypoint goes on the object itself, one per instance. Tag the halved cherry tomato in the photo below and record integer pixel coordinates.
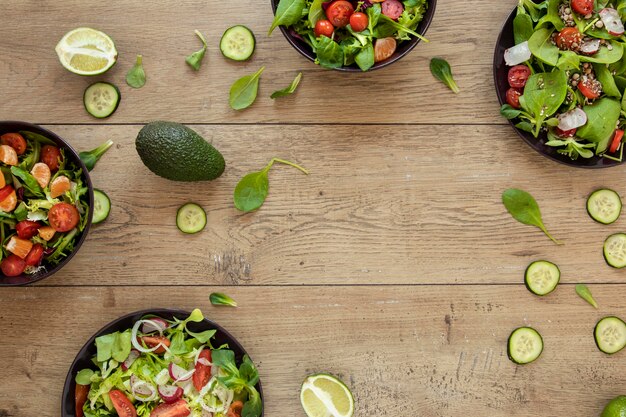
(569, 38)
(122, 404)
(177, 409)
(518, 75)
(339, 13)
(80, 398)
(565, 133)
(592, 89)
(384, 48)
(617, 140)
(50, 155)
(27, 229)
(324, 28)
(235, 409)
(5, 192)
(153, 341)
(358, 21)
(12, 266)
(63, 217)
(14, 140)
(35, 255)
(392, 9)
(583, 7)
(203, 372)
(512, 97)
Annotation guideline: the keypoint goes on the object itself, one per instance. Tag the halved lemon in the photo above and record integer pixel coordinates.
(86, 51)
(323, 395)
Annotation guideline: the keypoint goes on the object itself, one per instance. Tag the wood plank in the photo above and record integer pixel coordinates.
(425, 351)
(382, 205)
(41, 91)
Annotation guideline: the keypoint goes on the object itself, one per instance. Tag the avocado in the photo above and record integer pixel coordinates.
(176, 152)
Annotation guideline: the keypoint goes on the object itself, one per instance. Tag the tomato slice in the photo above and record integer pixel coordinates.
(235, 409)
(512, 97)
(63, 217)
(12, 266)
(592, 89)
(518, 75)
(177, 409)
(27, 229)
(569, 38)
(14, 140)
(583, 7)
(80, 398)
(339, 13)
(51, 155)
(617, 140)
(153, 341)
(203, 372)
(122, 404)
(35, 255)
(5, 192)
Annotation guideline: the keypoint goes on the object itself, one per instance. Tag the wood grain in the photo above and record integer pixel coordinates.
(427, 352)
(42, 91)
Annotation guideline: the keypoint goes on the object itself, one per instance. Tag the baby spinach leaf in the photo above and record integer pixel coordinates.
(541, 46)
(220, 299)
(552, 16)
(602, 117)
(136, 77)
(288, 90)
(90, 158)
(288, 13)
(509, 112)
(534, 9)
(329, 53)
(316, 12)
(606, 56)
(568, 60)
(525, 126)
(606, 79)
(524, 208)
(365, 58)
(441, 70)
(522, 28)
(584, 293)
(243, 92)
(543, 95)
(195, 60)
(83, 377)
(251, 191)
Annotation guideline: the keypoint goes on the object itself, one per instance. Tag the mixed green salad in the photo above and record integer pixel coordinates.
(43, 203)
(567, 75)
(343, 33)
(160, 368)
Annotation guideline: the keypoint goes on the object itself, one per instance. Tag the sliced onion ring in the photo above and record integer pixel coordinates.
(142, 390)
(517, 54)
(135, 342)
(154, 324)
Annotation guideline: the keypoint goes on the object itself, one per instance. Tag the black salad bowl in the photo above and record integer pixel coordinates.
(71, 155)
(500, 73)
(83, 359)
(403, 48)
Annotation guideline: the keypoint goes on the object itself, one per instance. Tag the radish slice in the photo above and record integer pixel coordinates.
(612, 21)
(178, 373)
(170, 393)
(517, 54)
(142, 390)
(573, 119)
(132, 357)
(590, 47)
(155, 324)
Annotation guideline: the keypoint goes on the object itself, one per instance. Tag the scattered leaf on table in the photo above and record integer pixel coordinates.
(136, 77)
(289, 89)
(523, 207)
(585, 293)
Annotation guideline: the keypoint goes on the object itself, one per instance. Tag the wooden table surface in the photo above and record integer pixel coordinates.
(393, 265)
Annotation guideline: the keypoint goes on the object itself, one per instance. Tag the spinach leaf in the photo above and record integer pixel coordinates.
(534, 9)
(552, 16)
(568, 60)
(288, 13)
(523, 207)
(329, 53)
(28, 181)
(441, 70)
(365, 58)
(585, 293)
(243, 92)
(602, 117)
(90, 158)
(526, 127)
(540, 45)
(316, 12)
(288, 90)
(195, 60)
(220, 299)
(136, 77)
(509, 112)
(543, 95)
(606, 79)
(522, 28)
(251, 191)
(606, 56)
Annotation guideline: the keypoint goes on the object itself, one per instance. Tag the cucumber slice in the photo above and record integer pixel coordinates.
(237, 43)
(610, 334)
(542, 277)
(101, 206)
(615, 250)
(190, 218)
(525, 345)
(101, 99)
(604, 206)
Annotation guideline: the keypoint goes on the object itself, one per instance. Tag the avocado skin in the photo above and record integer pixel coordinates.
(176, 152)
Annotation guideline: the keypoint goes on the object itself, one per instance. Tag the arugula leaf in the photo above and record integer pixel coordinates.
(220, 299)
(584, 293)
(136, 77)
(288, 90)
(243, 92)
(288, 13)
(195, 60)
(441, 70)
(523, 207)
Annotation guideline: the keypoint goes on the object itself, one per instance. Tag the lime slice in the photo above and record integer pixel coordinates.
(616, 408)
(323, 395)
(86, 51)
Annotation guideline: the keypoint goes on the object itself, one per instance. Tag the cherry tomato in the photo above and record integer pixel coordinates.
(235, 409)
(583, 7)
(80, 398)
(12, 266)
(122, 404)
(569, 38)
(392, 9)
(565, 133)
(592, 89)
(14, 140)
(63, 217)
(518, 75)
(27, 229)
(153, 341)
(339, 13)
(5, 192)
(177, 409)
(203, 372)
(50, 155)
(324, 28)
(358, 21)
(617, 141)
(512, 97)
(35, 255)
